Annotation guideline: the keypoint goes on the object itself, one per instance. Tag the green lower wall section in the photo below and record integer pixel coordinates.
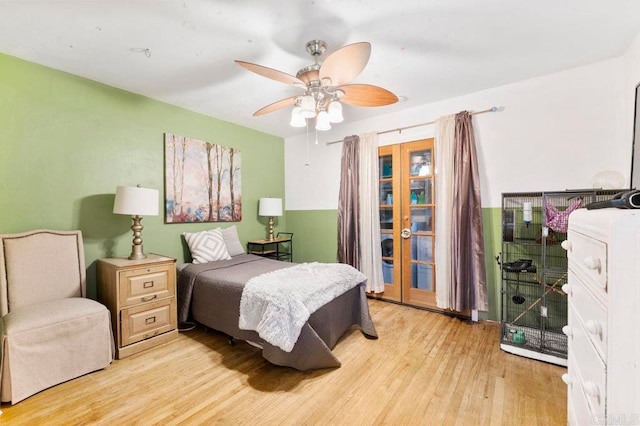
(67, 142)
(316, 239)
(492, 226)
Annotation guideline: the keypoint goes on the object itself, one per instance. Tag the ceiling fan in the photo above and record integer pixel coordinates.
(326, 85)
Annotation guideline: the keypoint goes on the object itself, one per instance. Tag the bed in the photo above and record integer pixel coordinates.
(210, 293)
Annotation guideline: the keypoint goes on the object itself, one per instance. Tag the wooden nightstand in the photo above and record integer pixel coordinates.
(141, 295)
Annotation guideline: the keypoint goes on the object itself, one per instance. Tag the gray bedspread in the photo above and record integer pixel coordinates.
(210, 294)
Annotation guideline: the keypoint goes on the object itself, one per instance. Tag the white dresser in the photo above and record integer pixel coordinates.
(603, 288)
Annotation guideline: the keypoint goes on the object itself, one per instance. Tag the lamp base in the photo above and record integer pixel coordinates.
(137, 253)
(271, 237)
(136, 249)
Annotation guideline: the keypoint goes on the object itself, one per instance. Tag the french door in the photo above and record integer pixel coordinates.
(407, 233)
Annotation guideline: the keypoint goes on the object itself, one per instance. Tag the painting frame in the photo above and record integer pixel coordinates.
(203, 181)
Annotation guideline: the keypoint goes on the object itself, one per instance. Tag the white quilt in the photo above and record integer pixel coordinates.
(278, 304)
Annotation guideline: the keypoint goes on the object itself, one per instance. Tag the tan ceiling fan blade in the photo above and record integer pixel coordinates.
(366, 95)
(275, 106)
(280, 76)
(346, 63)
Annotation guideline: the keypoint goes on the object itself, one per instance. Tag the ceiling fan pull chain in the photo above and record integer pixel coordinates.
(307, 162)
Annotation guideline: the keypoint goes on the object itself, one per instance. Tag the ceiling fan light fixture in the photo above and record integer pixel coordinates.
(335, 112)
(297, 120)
(322, 121)
(327, 85)
(308, 106)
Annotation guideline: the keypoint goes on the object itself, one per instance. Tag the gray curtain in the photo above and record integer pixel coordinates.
(348, 205)
(468, 275)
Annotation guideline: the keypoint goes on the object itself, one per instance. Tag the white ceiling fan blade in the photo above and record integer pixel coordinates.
(280, 76)
(275, 106)
(366, 95)
(346, 63)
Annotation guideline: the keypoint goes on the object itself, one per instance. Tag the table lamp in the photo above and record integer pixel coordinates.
(136, 202)
(270, 207)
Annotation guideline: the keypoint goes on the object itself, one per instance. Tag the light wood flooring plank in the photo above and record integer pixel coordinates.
(425, 369)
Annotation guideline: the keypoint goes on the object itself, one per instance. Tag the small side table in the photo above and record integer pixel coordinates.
(280, 248)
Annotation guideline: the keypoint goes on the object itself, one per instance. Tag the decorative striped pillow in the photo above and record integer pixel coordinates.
(206, 246)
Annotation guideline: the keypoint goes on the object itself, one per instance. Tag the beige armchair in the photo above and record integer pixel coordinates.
(51, 332)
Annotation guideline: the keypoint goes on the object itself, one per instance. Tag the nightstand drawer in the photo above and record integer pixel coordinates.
(148, 320)
(144, 285)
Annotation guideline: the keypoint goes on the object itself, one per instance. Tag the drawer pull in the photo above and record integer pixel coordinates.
(591, 389)
(147, 336)
(593, 327)
(146, 299)
(147, 284)
(566, 378)
(150, 320)
(592, 262)
(566, 244)
(567, 331)
(566, 288)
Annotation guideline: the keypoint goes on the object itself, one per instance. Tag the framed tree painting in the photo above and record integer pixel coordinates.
(202, 181)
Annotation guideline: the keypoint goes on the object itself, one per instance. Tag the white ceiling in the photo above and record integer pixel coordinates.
(426, 50)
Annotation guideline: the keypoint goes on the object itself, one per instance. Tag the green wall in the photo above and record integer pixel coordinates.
(315, 235)
(316, 239)
(67, 142)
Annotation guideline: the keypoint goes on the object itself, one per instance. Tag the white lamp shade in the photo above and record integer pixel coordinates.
(270, 207)
(297, 120)
(322, 121)
(308, 106)
(136, 201)
(335, 112)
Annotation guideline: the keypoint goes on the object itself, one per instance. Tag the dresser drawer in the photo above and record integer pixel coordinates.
(588, 371)
(145, 284)
(578, 411)
(588, 258)
(148, 320)
(591, 314)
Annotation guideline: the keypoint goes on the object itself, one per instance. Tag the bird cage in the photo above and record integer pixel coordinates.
(534, 268)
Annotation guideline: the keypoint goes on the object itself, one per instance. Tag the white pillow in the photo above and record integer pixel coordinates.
(206, 246)
(231, 240)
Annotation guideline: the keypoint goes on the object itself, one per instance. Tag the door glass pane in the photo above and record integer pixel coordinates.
(386, 218)
(422, 248)
(421, 191)
(421, 219)
(386, 164)
(387, 258)
(421, 163)
(386, 193)
(422, 276)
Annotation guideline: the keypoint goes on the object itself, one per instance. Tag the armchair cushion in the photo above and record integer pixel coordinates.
(51, 342)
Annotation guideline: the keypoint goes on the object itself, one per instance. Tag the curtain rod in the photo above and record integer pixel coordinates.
(400, 129)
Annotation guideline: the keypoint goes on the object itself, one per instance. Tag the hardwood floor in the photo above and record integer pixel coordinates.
(425, 369)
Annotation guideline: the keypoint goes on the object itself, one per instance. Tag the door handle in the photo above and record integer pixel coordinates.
(405, 233)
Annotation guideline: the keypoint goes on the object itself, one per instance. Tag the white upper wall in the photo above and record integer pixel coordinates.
(552, 133)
